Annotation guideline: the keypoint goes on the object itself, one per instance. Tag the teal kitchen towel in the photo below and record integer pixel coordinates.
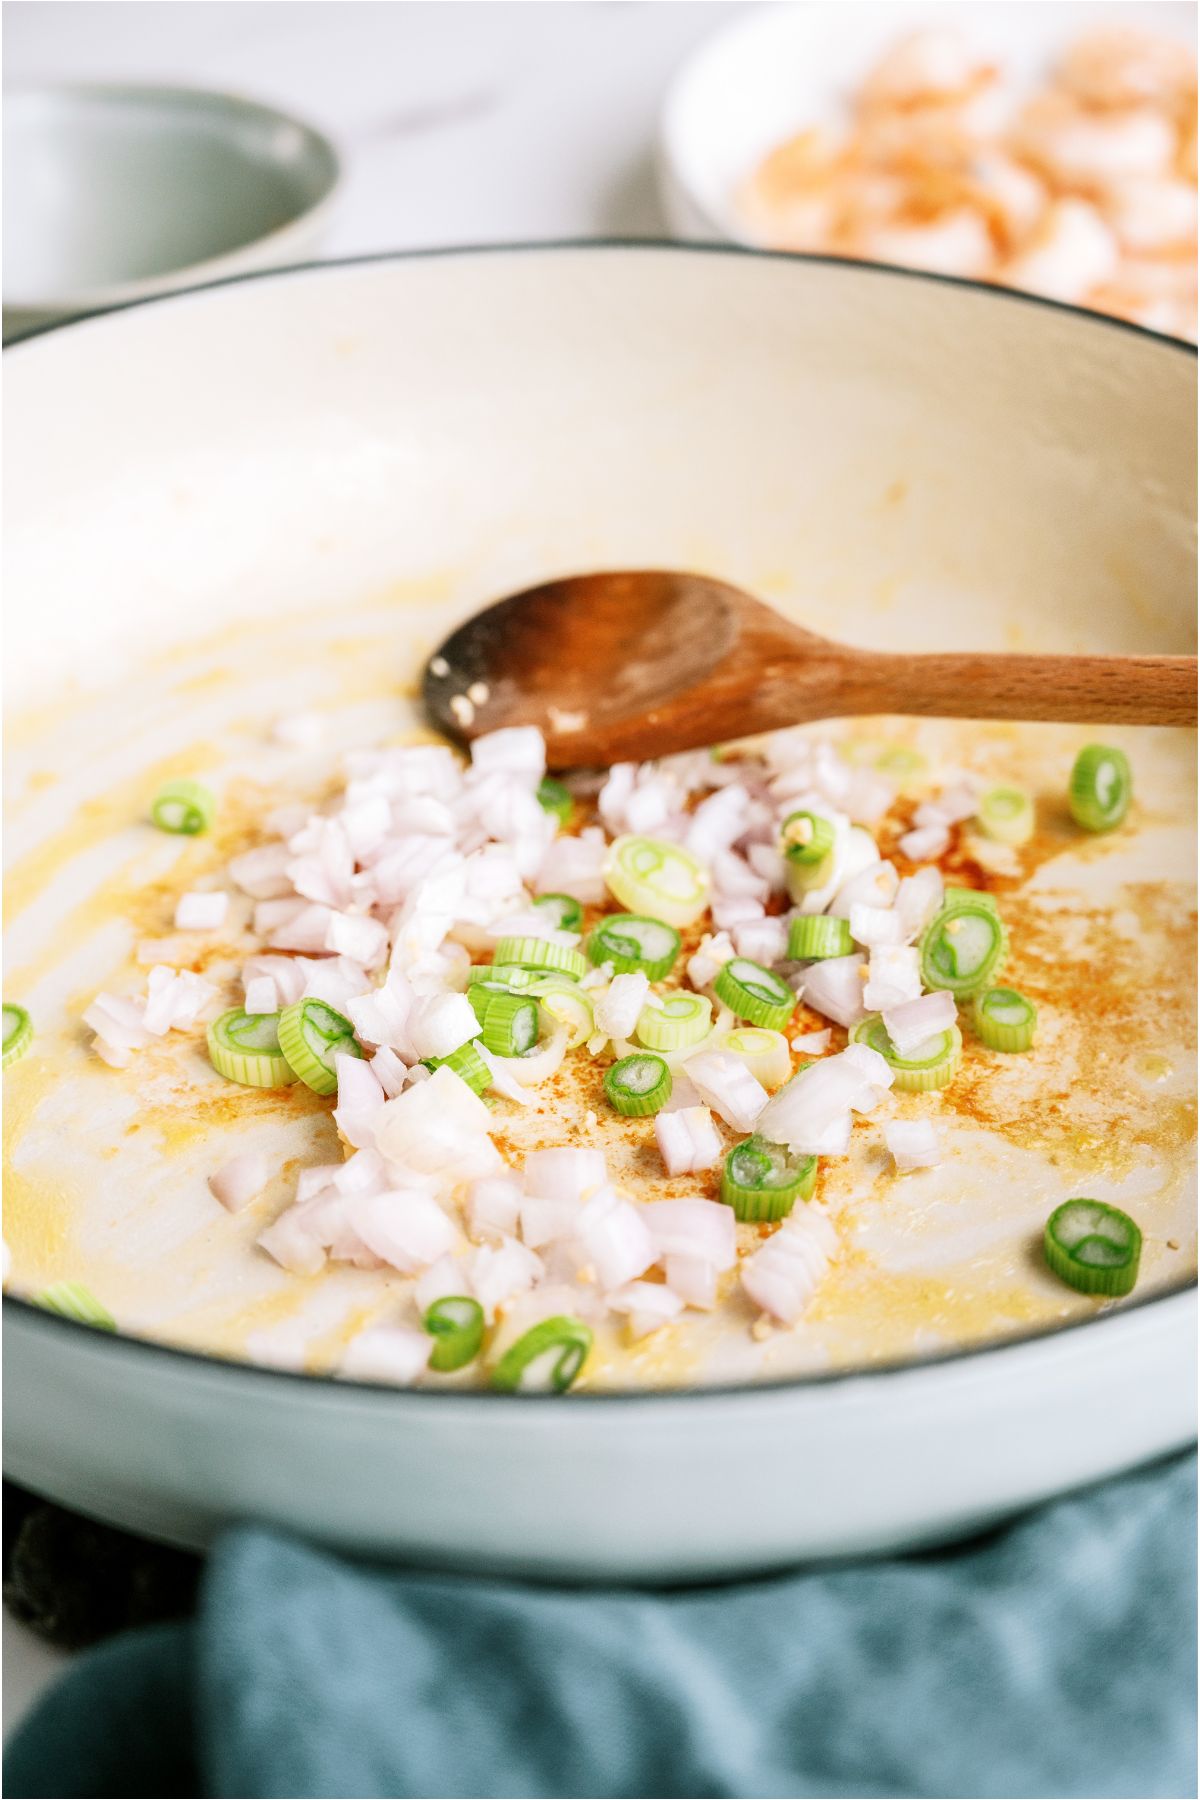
(1054, 1657)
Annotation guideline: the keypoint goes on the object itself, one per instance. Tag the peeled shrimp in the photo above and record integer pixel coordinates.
(956, 242)
(1087, 151)
(933, 65)
(1010, 196)
(1121, 66)
(1071, 252)
(1153, 217)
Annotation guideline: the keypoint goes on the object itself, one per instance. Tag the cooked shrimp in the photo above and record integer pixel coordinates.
(1072, 252)
(930, 66)
(1153, 217)
(955, 242)
(1010, 196)
(790, 199)
(1087, 152)
(1121, 66)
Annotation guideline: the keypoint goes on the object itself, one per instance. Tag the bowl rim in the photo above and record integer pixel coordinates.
(26, 1310)
(698, 247)
(69, 305)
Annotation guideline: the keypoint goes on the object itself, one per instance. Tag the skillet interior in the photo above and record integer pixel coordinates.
(235, 555)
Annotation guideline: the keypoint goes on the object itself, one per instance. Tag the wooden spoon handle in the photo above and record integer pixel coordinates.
(1087, 690)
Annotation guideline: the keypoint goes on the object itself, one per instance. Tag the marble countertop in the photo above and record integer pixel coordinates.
(458, 123)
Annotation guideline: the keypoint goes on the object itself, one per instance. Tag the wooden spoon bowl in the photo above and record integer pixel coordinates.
(636, 664)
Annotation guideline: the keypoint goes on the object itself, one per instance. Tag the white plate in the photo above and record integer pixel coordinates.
(780, 68)
(410, 437)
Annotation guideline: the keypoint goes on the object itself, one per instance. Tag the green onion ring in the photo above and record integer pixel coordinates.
(754, 993)
(1094, 1248)
(456, 1325)
(814, 936)
(933, 1064)
(311, 1035)
(763, 1181)
(638, 1084)
(18, 1032)
(633, 942)
(1101, 787)
(184, 807)
(244, 1047)
(1004, 1019)
(549, 1355)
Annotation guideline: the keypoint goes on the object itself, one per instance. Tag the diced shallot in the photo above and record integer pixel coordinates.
(648, 1304)
(917, 899)
(360, 1097)
(404, 1227)
(394, 1355)
(709, 959)
(493, 1205)
(704, 1229)
(911, 1023)
(615, 1238)
(782, 1277)
(893, 976)
(926, 843)
(619, 1006)
(201, 912)
(237, 1181)
(688, 1141)
(913, 1143)
(726, 1084)
(834, 987)
(564, 1174)
(262, 872)
(694, 1280)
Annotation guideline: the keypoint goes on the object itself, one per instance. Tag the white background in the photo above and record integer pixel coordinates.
(459, 123)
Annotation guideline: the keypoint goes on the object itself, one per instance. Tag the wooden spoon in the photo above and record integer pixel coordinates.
(637, 664)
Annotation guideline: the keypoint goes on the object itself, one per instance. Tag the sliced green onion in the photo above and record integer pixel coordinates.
(244, 1047)
(1006, 814)
(926, 1068)
(964, 896)
(815, 936)
(557, 800)
(896, 760)
(548, 1356)
(187, 807)
(71, 1300)
(682, 1019)
(631, 943)
(1004, 1019)
(540, 953)
(964, 947)
(481, 996)
(505, 978)
(567, 1004)
(311, 1034)
(765, 1053)
(763, 1181)
(807, 843)
(754, 993)
(564, 909)
(1093, 1247)
(18, 1033)
(638, 1084)
(456, 1325)
(1101, 787)
(510, 1025)
(467, 1064)
(656, 880)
